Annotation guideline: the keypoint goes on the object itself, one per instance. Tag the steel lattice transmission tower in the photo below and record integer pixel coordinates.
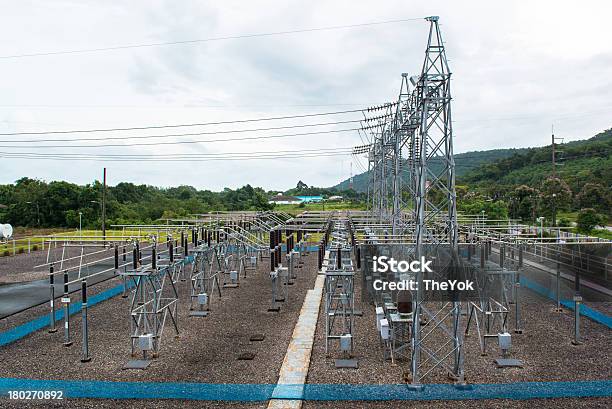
(412, 187)
(435, 213)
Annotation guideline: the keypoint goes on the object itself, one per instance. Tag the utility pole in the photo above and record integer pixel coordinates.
(104, 208)
(554, 172)
(554, 165)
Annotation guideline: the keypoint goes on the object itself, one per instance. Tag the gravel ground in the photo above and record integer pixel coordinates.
(207, 348)
(20, 268)
(544, 347)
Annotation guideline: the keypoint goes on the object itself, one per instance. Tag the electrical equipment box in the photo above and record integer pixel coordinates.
(234, 275)
(384, 329)
(380, 314)
(505, 341)
(253, 261)
(345, 342)
(146, 342)
(202, 298)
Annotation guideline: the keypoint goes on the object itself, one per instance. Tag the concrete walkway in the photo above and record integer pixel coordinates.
(297, 360)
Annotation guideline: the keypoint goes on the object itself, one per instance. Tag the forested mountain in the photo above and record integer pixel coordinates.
(579, 162)
(464, 162)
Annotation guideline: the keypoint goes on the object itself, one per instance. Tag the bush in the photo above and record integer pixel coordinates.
(20, 251)
(564, 222)
(588, 219)
(6, 253)
(34, 247)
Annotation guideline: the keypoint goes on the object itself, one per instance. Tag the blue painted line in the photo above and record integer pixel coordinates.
(141, 390)
(44, 321)
(586, 311)
(317, 392)
(520, 390)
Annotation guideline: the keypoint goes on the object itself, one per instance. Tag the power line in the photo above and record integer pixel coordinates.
(108, 138)
(204, 40)
(188, 159)
(246, 138)
(183, 106)
(164, 155)
(140, 128)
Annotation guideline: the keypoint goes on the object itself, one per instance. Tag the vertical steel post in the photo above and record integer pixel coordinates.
(135, 257)
(66, 302)
(52, 327)
(104, 209)
(558, 290)
(85, 357)
(577, 302)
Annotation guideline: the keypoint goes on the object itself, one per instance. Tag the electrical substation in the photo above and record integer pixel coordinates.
(290, 302)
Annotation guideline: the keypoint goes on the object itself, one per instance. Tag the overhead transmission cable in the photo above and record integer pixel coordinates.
(189, 142)
(292, 155)
(140, 128)
(109, 138)
(189, 154)
(210, 39)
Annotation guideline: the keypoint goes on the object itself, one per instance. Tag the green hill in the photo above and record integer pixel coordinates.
(464, 162)
(579, 162)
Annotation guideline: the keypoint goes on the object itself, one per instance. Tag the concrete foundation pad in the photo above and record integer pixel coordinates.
(346, 363)
(137, 364)
(198, 313)
(508, 363)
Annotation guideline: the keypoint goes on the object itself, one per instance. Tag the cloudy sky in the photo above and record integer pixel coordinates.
(518, 67)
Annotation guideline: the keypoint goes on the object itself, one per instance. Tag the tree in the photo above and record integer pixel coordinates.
(523, 202)
(494, 210)
(555, 195)
(594, 195)
(588, 219)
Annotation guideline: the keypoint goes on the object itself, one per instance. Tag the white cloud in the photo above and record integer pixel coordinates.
(517, 68)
